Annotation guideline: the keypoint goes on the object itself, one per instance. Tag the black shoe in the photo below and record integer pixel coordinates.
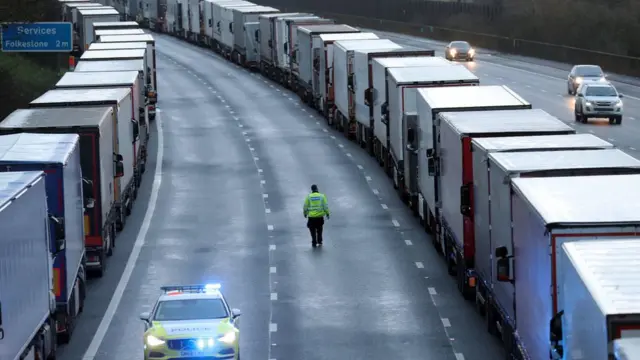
(313, 244)
(320, 243)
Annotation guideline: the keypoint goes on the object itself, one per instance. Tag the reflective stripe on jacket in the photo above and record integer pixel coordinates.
(315, 205)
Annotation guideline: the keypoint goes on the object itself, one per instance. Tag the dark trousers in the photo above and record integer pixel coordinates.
(315, 228)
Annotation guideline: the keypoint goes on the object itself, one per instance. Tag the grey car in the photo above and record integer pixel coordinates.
(598, 100)
(459, 50)
(584, 73)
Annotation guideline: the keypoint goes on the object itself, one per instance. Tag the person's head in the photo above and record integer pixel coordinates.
(314, 188)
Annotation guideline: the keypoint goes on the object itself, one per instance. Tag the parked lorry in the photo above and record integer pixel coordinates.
(100, 167)
(151, 68)
(323, 87)
(304, 60)
(241, 31)
(27, 304)
(267, 41)
(401, 87)
(343, 78)
(59, 157)
(139, 117)
(115, 25)
(118, 46)
(120, 99)
(547, 213)
(86, 18)
(69, 10)
(225, 43)
(377, 89)
(361, 73)
(116, 32)
(626, 349)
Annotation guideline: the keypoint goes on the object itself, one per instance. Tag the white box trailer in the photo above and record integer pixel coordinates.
(151, 71)
(252, 59)
(363, 60)
(219, 20)
(281, 43)
(118, 46)
(379, 87)
(304, 67)
(291, 26)
(626, 348)
(267, 40)
(481, 149)
(86, 18)
(344, 72)
(242, 16)
(601, 283)
(430, 102)
(226, 20)
(546, 213)
(453, 133)
(194, 20)
(140, 120)
(323, 87)
(110, 32)
(115, 25)
(70, 11)
(121, 100)
(401, 87)
(173, 19)
(27, 301)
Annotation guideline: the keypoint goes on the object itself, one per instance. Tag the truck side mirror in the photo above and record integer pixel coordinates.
(218, 25)
(119, 166)
(411, 135)
(430, 153)
(503, 264)
(58, 229)
(465, 200)
(555, 335)
(136, 129)
(431, 166)
(368, 97)
(210, 22)
(384, 108)
(270, 43)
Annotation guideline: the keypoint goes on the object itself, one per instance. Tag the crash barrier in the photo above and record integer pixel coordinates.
(619, 64)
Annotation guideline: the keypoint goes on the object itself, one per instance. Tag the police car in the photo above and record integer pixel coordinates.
(192, 321)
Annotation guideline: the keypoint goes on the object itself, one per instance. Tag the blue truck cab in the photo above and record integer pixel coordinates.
(58, 155)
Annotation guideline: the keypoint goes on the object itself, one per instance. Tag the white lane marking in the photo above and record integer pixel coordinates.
(459, 356)
(255, 158)
(612, 140)
(384, 206)
(631, 118)
(272, 247)
(591, 131)
(360, 167)
(270, 228)
(368, 178)
(272, 270)
(109, 314)
(375, 191)
(311, 116)
(340, 145)
(419, 265)
(446, 322)
(543, 90)
(349, 154)
(408, 242)
(317, 122)
(274, 296)
(260, 170)
(265, 196)
(432, 291)
(304, 110)
(263, 182)
(267, 211)
(325, 130)
(236, 118)
(333, 137)
(227, 106)
(240, 125)
(395, 223)
(210, 88)
(247, 140)
(273, 327)
(634, 149)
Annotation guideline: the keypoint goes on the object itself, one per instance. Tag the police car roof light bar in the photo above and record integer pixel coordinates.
(190, 288)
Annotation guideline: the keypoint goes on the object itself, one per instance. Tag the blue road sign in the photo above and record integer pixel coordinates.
(37, 37)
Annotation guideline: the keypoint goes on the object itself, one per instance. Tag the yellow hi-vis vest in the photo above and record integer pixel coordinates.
(315, 205)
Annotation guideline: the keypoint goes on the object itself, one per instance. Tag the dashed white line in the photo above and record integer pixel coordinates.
(384, 206)
(274, 296)
(267, 211)
(272, 270)
(317, 122)
(272, 247)
(349, 154)
(543, 90)
(270, 228)
(375, 191)
(446, 322)
(395, 223)
(368, 178)
(240, 125)
(311, 116)
(247, 140)
(265, 196)
(325, 130)
(333, 137)
(273, 327)
(432, 291)
(459, 356)
(419, 265)
(255, 158)
(408, 242)
(360, 167)
(612, 140)
(263, 182)
(634, 149)
(340, 145)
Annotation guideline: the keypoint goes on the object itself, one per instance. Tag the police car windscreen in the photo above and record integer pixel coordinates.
(191, 309)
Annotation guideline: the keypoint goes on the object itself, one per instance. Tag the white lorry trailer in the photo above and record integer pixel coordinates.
(115, 32)
(306, 58)
(546, 213)
(482, 201)
(268, 41)
(323, 90)
(601, 289)
(378, 79)
(139, 121)
(27, 326)
(626, 349)
(343, 79)
(151, 68)
(115, 25)
(118, 46)
(120, 99)
(86, 18)
(363, 60)
(225, 42)
(100, 167)
(241, 32)
(453, 133)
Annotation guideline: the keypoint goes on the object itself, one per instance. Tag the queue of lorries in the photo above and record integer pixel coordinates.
(71, 165)
(538, 225)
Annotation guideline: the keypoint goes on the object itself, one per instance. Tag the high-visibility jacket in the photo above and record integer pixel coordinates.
(315, 205)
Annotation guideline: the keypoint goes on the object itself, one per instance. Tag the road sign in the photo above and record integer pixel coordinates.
(37, 37)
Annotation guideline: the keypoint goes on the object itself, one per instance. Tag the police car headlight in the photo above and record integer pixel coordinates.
(228, 338)
(154, 341)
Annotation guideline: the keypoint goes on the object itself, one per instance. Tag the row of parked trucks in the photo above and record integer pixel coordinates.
(538, 225)
(71, 166)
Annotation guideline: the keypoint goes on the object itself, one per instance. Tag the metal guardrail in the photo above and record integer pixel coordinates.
(619, 64)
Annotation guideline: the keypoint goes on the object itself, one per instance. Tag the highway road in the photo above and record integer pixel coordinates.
(223, 203)
(544, 85)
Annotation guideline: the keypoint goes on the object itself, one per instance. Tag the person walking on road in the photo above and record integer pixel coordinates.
(315, 208)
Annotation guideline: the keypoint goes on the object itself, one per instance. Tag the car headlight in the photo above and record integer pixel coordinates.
(228, 338)
(618, 103)
(453, 52)
(588, 103)
(154, 341)
(472, 52)
(578, 80)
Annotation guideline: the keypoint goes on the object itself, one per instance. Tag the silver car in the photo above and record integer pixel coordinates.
(459, 50)
(584, 73)
(598, 100)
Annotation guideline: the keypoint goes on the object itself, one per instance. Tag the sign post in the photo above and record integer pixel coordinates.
(37, 37)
